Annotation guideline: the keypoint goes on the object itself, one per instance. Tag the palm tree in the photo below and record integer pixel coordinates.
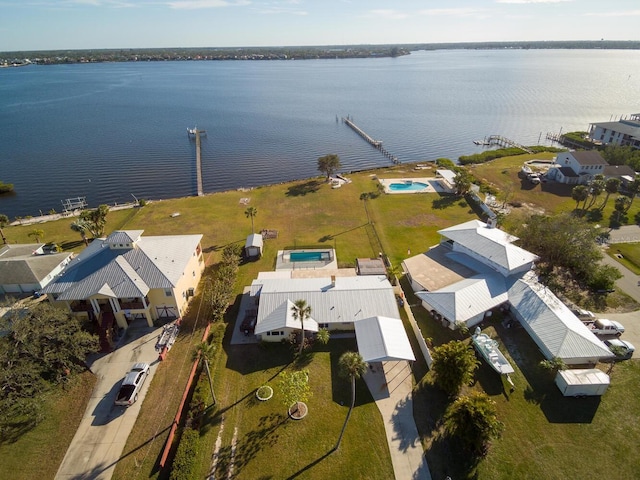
(596, 188)
(633, 188)
(251, 212)
(4, 221)
(621, 205)
(474, 421)
(37, 234)
(81, 227)
(612, 185)
(580, 194)
(301, 311)
(205, 352)
(351, 366)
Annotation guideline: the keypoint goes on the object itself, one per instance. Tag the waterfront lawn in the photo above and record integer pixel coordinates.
(551, 198)
(60, 233)
(38, 452)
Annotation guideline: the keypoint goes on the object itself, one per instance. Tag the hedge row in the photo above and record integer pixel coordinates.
(184, 463)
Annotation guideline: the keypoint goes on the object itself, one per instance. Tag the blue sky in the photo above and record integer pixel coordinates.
(82, 24)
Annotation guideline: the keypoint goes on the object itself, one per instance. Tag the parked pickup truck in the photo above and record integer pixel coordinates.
(602, 326)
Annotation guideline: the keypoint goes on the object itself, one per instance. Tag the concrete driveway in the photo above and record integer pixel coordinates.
(104, 429)
(391, 385)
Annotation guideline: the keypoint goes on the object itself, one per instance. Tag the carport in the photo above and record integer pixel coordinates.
(382, 339)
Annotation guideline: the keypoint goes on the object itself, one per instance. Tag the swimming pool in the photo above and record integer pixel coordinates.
(309, 256)
(407, 187)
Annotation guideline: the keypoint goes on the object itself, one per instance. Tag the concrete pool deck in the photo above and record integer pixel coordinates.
(433, 185)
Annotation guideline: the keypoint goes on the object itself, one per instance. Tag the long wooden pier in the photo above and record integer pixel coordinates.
(196, 133)
(375, 143)
(505, 142)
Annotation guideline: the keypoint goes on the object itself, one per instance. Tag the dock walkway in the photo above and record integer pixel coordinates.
(375, 143)
(196, 133)
(505, 142)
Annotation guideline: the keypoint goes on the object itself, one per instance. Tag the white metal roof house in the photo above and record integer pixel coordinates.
(127, 275)
(364, 303)
(577, 167)
(624, 132)
(27, 268)
(500, 274)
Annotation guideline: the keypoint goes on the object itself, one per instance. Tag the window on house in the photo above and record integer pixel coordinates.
(168, 292)
(323, 325)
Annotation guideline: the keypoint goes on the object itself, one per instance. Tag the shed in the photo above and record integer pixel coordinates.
(582, 382)
(253, 245)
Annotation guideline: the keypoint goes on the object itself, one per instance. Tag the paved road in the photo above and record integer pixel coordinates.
(629, 285)
(104, 429)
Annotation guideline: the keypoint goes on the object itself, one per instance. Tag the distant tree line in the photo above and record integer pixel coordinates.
(293, 52)
(199, 54)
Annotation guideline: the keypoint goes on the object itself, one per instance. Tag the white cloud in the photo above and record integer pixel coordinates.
(629, 13)
(200, 4)
(452, 12)
(532, 1)
(387, 13)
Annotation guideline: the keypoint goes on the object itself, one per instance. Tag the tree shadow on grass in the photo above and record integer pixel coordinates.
(329, 237)
(447, 458)
(429, 405)
(265, 435)
(301, 189)
(541, 389)
(444, 201)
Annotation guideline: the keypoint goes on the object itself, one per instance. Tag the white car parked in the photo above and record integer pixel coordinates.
(131, 385)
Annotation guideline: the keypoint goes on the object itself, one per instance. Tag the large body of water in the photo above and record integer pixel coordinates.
(113, 131)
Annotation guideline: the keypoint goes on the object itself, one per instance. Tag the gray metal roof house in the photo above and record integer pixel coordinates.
(127, 275)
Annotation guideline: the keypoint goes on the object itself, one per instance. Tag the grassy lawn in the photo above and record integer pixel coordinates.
(269, 444)
(546, 436)
(39, 452)
(630, 255)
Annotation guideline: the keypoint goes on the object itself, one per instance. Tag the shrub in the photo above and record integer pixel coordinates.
(184, 462)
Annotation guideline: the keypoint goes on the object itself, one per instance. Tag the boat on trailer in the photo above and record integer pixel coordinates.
(487, 347)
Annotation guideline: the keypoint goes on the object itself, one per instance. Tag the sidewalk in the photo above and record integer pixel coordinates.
(391, 384)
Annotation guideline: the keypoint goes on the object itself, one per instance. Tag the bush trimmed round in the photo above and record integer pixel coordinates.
(264, 393)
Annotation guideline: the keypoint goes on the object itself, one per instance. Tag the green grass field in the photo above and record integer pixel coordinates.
(546, 435)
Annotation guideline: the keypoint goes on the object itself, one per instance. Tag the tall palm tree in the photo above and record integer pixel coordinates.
(580, 194)
(205, 353)
(621, 205)
(4, 221)
(351, 366)
(595, 189)
(612, 185)
(301, 311)
(251, 212)
(80, 227)
(633, 189)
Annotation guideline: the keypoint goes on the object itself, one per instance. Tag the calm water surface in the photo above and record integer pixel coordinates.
(110, 131)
